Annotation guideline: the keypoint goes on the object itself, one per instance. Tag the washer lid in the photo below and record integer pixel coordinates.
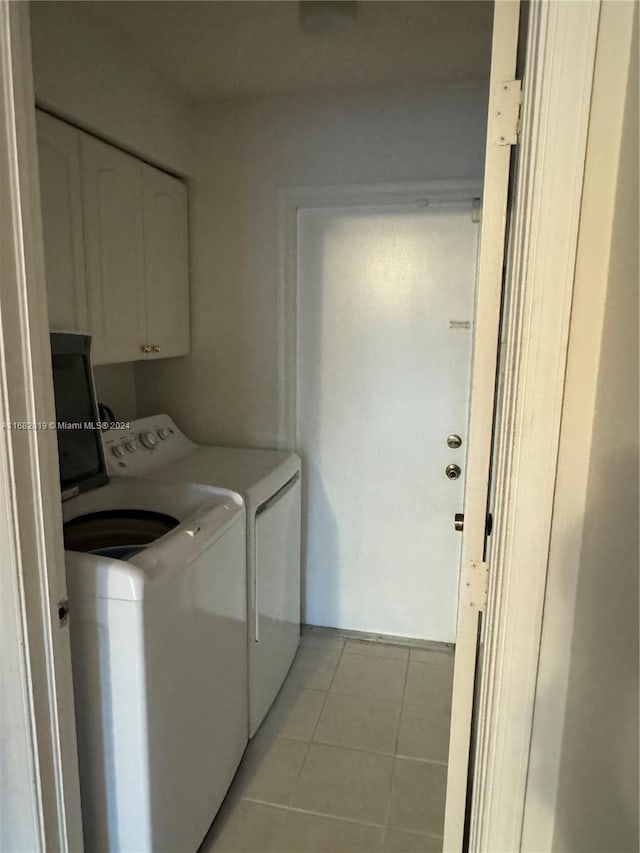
(203, 515)
(134, 576)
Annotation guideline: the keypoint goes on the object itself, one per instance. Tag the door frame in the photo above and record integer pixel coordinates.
(541, 264)
(38, 738)
(562, 36)
(290, 200)
(417, 195)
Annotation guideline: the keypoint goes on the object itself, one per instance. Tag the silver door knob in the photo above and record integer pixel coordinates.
(454, 441)
(452, 471)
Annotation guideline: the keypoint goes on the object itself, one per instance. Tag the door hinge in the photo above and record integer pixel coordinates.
(476, 210)
(506, 118)
(477, 583)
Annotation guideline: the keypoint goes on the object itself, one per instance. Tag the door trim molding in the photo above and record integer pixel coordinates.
(557, 96)
(290, 199)
(37, 652)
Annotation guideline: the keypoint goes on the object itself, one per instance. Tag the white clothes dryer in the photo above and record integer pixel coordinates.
(269, 481)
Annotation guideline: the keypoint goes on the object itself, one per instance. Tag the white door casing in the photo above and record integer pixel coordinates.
(558, 80)
(39, 760)
(385, 318)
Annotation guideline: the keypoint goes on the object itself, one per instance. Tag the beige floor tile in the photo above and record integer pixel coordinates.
(376, 650)
(313, 668)
(307, 833)
(398, 841)
(425, 681)
(322, 641)
(370, 677)
(417, 798)
(444, 657)
(424, 730)
(358, 723)
(243, 827)
(344, 783)
(269, 770)
(294, 714)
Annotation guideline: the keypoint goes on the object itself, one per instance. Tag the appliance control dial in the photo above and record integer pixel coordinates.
(117, 450)
(131, 445)
(164, 432)
(148, 440)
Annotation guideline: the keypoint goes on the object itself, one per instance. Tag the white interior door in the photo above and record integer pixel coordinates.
(501, 134)
(385, 319)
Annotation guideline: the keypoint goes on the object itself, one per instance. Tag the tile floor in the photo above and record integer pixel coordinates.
(350, 759)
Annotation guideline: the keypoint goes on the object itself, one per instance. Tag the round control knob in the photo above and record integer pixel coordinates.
(118, 450)
(148, 440)
(164, 432)
(131, 446)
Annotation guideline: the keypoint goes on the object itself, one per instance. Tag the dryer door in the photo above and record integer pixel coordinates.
(276, 598)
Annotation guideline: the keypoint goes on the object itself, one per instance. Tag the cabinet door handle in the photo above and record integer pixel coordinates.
(156, 348)
(146, 348)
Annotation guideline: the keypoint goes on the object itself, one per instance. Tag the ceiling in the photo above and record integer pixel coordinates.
(210, 49)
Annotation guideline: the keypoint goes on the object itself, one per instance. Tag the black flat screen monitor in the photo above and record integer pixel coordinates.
(81, 457)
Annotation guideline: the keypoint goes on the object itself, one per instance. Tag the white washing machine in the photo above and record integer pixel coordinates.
(269, 481)
(156, 579)
(158, 640)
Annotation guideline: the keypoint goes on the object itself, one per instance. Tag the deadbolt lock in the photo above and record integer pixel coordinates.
(454, 441)
(452, 471)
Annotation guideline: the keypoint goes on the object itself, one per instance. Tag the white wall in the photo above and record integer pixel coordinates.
(244, 151)
(116, 387)
(85, 72)
(583, 783)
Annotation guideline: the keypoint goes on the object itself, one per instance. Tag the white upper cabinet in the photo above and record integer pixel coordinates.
(61, 201)
(116, 246)
(166, 263)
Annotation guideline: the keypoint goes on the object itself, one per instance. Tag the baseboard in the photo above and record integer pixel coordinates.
(367, 637)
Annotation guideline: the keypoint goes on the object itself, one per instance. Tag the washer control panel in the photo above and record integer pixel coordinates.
(147, 444)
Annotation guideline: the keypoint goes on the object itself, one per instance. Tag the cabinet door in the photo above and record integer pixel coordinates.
(61, 202)
(114, 248)
(166, 263)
